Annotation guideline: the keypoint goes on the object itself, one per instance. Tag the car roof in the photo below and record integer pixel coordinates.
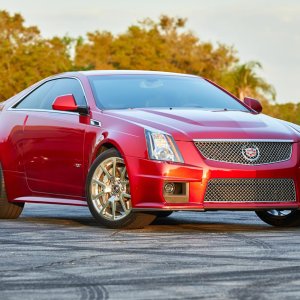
(130, 72)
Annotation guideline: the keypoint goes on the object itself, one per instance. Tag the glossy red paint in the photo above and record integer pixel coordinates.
(46, 155)
(253, 103)
(65, 103)
(53, 153)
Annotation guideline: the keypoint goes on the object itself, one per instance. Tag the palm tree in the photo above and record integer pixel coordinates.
(245, 82)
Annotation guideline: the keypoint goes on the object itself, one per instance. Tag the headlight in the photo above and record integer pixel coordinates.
(162, 146)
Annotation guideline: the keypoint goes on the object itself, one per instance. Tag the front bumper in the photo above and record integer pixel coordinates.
(147, 179)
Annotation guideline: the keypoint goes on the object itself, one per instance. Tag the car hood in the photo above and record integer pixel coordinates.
(189, 124)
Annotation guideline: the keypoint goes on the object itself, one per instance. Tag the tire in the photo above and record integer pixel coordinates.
(280, 218)
(108, 193)
(163, 214)
(8, 210)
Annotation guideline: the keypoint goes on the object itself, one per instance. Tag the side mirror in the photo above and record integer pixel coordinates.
(253, 103)
(68, 103)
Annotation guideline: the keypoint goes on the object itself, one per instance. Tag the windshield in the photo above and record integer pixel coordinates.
(159, 91)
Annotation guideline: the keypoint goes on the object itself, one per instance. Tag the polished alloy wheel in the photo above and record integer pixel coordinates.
(279, 213)
(110, 191)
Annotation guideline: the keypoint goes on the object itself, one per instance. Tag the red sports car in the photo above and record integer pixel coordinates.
(134, 145)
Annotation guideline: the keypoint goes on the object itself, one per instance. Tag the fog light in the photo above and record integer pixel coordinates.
(169, 187)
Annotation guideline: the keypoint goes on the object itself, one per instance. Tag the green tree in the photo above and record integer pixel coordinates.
(286, 111)
(96, 52)
(25, 57)
(164, 45)
(242, 80)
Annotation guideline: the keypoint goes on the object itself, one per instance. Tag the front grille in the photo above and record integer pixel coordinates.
(260, 152)
(250, 190)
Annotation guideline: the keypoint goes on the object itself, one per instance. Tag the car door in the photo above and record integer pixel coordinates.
(53, 141)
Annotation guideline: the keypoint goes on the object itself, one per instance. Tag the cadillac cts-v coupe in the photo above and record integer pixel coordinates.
(134, 145)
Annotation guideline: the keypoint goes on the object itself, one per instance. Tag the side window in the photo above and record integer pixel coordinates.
(35, 98)
(64, 86)
(44, 96)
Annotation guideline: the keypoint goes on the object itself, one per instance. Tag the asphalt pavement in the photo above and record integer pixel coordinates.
(59, 252)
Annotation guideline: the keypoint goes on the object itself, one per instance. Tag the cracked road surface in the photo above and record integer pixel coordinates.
(59, 252)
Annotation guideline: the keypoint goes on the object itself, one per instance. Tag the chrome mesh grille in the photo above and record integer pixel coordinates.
(232, 151)
(250, 190)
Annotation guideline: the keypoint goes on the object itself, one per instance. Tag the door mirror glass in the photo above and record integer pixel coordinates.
(253, 103)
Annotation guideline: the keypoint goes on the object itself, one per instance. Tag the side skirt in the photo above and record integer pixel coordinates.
(48, 200)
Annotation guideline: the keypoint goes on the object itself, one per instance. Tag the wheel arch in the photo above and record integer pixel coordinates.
(103, 146)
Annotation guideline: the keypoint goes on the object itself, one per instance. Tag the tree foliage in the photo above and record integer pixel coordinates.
(165, 45)
(243, 81)
(25, 57)
(286, 111)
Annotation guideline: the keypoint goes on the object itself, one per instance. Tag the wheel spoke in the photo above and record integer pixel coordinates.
(123, 173)
(104, 207)
(99, 183)
(279, 213)
(109, 176)
(95, 197)
(125, 195)
(124, 182)
(126, 211)
(114, 167)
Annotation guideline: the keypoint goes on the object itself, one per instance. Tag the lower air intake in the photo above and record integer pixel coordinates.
(251, 190)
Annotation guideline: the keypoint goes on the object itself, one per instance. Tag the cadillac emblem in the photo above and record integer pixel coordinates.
(250, 153)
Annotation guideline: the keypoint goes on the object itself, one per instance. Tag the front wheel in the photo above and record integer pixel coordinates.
(108, 193)
(280, 217)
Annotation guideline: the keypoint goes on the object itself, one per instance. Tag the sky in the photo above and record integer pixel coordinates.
(267, 31)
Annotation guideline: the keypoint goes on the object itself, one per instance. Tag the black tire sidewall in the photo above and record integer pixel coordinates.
(290, 220)
(8, 210)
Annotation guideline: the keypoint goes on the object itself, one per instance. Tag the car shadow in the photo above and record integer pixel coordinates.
(176, 223)
(179, 224)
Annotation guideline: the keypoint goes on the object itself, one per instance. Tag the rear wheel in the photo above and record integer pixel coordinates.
(8, 210)
(280, 217)
(108, 193)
